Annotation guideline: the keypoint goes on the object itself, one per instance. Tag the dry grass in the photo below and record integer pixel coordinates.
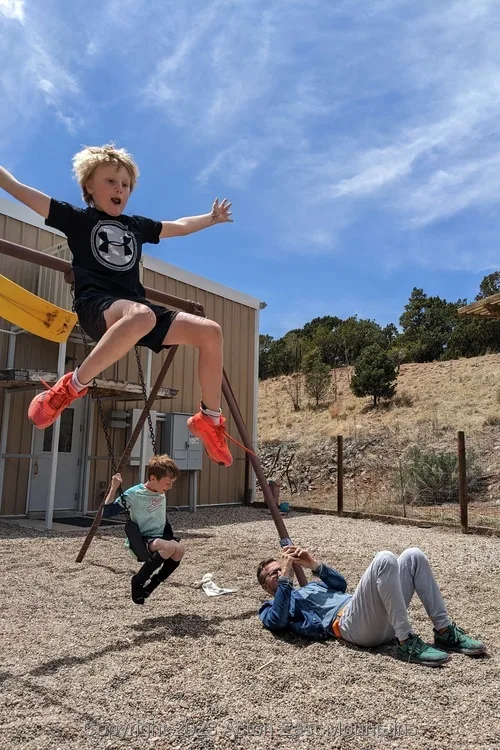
(433, 401)
(459, 394)
(81, 663)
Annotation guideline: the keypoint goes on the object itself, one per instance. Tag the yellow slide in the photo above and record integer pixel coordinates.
(34, 314)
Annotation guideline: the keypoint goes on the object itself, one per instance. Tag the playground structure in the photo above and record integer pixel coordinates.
(48, 261)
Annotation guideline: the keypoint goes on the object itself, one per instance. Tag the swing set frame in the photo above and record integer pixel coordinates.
(59, 264)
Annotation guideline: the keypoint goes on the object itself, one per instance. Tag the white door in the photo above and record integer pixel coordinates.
(68, 462)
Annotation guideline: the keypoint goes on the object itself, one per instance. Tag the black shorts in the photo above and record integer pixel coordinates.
(90, 308)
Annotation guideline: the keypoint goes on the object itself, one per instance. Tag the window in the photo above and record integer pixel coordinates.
(65, 433)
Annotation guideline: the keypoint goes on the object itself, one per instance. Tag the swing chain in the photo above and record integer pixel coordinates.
(145, 397)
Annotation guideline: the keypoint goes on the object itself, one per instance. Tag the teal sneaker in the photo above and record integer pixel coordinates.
(417, 651)
(456, 639)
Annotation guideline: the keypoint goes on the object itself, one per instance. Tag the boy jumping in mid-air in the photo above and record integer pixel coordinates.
(110, 300)
(147, 506)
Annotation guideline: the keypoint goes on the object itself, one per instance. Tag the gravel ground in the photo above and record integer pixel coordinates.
(83, 667)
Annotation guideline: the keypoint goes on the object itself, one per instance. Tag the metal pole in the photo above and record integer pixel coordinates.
(268, 495)
(462, 482)
(49, 511)
(4, 430)
(128, 448)
(247, 492)
(87, 451)
(340, 475)
(193, 491)
(252, 486)
(143, 459)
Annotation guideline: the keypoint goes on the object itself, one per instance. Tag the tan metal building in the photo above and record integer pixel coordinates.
(38, 480)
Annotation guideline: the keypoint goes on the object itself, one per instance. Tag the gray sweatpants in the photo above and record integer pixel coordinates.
(378, 610)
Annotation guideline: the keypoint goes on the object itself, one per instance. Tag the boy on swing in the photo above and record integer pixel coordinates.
(110, 301)
(147, 506)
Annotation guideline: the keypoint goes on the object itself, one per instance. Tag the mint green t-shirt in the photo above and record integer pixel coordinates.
(148, 510)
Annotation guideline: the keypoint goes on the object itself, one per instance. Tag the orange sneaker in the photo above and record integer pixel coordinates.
(213, 436)
(46, 406)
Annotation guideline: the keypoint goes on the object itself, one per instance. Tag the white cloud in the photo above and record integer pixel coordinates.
(235, 163)
(342, 104)
(35, 78)
(13, 9)
(327, 112)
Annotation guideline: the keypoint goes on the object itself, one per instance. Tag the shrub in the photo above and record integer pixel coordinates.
(293, 386)
(403, 399)
(431, 477)
(317, 382)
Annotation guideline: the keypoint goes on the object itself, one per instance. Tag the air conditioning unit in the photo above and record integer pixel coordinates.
(179, 443)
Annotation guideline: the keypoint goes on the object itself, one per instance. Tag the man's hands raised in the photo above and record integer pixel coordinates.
(301, 556)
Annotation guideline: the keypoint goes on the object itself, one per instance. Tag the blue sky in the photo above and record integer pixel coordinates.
(358, 140)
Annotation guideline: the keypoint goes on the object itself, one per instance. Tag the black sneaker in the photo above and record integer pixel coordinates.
(137, 591)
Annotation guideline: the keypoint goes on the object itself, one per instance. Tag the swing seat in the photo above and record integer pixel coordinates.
(137, 543)
(34, 314)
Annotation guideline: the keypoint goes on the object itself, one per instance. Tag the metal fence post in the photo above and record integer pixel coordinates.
(462, 482)
(340, 475)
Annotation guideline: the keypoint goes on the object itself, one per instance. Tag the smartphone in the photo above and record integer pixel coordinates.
(286, 542)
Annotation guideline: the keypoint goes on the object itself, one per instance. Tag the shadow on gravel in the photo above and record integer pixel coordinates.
(151, 630)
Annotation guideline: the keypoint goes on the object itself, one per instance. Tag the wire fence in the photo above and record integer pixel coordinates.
(417, 478)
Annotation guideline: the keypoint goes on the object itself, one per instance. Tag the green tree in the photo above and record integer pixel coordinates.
(285, 355)
(390, 334)
(472, 337)
(489, 285)
(329, 322)
(317, 376)
(265, 343)
(326, 341)
(374, 374)
(427, 324)
(354, 335)
(311, 359)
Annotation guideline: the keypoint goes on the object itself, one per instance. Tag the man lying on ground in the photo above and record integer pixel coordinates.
(376, 612)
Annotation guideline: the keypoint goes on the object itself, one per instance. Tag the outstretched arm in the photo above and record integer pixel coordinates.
(220, 214)
(32, 198)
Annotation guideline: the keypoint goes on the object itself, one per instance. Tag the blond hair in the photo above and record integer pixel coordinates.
(163, 466)
(86, 161)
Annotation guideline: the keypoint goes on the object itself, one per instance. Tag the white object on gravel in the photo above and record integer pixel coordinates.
(210, 587)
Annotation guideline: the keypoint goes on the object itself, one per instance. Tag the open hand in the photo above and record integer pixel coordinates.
(221, 212)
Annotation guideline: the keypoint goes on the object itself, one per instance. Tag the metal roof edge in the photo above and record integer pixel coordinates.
(19, 211)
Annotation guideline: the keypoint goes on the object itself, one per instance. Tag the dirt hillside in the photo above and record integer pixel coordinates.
(433, 401)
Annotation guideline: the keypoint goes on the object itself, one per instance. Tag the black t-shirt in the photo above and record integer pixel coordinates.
(106, 249)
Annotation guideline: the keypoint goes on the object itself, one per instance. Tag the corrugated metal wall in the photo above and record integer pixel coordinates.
(217, 484)
(31, 352)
